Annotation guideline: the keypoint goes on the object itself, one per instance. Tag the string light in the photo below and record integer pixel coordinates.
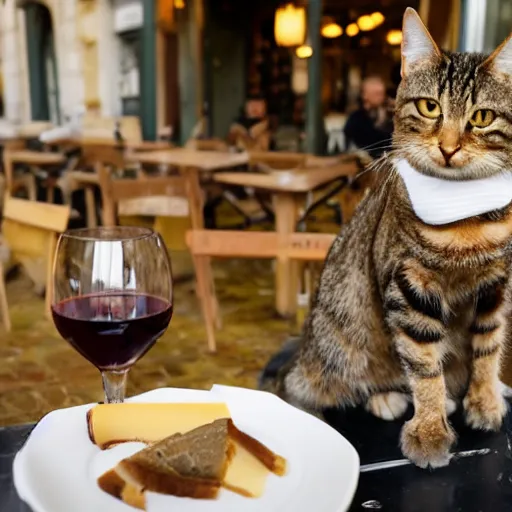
(331, 30)
(365, 23)
(352, 30)
(377, 18)
(394, 37)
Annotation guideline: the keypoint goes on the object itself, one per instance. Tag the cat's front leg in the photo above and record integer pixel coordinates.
(484, 405)
(416, 314)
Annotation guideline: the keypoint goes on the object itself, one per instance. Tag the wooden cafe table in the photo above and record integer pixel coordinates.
(191, 160)
(478, 479)
(289, 189)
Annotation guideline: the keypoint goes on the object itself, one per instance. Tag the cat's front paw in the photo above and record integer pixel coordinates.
(484, 410)
(427, 443)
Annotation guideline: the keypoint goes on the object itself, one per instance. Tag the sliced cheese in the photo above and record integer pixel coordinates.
(148, 422)
(246, 475)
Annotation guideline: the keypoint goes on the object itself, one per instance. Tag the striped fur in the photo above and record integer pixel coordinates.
(407, 307)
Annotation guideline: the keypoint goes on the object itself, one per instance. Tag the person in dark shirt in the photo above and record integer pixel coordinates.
(371, 126)
(253, 112)
(251, 126)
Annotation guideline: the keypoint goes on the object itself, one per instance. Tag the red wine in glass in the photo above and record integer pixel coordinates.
(112, 297)
(112, 330)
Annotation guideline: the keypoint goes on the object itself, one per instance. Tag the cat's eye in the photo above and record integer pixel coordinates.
(482, 118)
(428, 108)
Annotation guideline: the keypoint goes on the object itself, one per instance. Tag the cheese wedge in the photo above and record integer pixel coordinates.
(246, 475)
(110, 424)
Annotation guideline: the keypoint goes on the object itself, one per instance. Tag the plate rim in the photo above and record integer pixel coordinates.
(28, 497)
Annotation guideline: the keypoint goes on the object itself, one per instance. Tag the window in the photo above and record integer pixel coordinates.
(129, 73)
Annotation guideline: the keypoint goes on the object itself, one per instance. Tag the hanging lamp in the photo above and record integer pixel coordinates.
(290, 25)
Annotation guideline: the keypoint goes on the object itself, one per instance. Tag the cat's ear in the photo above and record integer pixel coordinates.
(417, 43)
(501, 59)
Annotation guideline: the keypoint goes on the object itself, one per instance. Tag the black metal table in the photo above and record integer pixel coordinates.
(479, 480)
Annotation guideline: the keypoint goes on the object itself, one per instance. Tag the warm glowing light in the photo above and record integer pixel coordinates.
(304, 52)
(378, 18)
(394, 37)
(365, 23)
(179, 4)
(331, 30)
(352, 30)
(290, 25)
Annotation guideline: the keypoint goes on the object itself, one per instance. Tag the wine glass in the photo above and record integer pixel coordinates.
(112, 297)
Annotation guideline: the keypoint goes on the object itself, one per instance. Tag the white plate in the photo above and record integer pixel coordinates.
(57, 468)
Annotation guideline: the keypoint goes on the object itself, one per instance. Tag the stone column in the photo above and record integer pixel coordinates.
(314, 122)
(13, 63)
(148, 71)
(69, 58)
(190, 47)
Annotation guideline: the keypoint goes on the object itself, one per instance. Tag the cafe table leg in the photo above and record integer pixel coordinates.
(90, 207)
(195, 196)
(286, 285)
(4, 306)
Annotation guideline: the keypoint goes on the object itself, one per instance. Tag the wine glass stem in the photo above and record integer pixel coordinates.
(114, 385)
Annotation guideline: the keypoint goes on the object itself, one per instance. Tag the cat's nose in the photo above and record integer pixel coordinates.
(448, 150)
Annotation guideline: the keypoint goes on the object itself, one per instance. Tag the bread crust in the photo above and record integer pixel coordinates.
(140, 477)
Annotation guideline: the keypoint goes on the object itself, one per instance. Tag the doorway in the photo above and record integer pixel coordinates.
(42, 63)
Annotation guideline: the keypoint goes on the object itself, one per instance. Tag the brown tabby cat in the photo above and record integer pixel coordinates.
(407, 309)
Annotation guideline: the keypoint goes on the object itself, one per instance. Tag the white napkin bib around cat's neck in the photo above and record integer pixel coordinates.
(436, 201)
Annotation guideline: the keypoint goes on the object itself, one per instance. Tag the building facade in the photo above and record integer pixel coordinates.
(151, 58)
(57, 56)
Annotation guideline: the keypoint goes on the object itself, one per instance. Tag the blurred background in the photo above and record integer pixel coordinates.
(175, 62)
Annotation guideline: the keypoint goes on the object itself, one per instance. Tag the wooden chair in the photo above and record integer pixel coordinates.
(98, 127)
(204, 244)
(161, 195)
(15, 182)
(115, 192)
(93, 156)
(276, 160)
(30, 229)
(208, 145)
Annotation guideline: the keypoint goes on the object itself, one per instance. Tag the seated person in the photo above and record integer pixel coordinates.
(370, 127)
(250, 130)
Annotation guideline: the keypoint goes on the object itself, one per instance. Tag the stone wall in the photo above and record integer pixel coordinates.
(87, 70)
(14, 63)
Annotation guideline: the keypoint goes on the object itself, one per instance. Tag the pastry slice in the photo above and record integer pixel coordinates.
(188, 465)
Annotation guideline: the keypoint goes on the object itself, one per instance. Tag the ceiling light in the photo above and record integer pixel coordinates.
(290, 25)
